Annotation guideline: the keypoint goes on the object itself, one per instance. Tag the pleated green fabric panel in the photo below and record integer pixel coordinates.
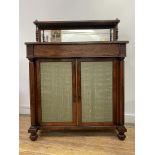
(96, 87)
(56, 91)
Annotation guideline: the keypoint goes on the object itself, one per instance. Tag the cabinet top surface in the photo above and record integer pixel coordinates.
(77, 43)
(85, 24)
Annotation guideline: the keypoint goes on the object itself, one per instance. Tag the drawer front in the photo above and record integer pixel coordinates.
(83, 50)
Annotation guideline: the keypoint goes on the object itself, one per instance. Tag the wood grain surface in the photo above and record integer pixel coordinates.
(75, 143)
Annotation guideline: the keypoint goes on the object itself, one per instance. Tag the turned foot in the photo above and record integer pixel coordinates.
(121, 130)
(33, 136)
(33, 130)
(121, 136)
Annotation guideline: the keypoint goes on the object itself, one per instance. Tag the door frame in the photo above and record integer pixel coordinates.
(38, 94)
(114, 91)
(76, 92)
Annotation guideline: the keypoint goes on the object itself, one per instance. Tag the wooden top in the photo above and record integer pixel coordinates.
(77, 43)
(86, 24)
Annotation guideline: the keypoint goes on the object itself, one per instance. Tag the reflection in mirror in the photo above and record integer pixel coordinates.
(76, 35)
(85, 35)
(51, 36)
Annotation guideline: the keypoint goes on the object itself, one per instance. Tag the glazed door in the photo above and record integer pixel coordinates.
(57, 91)
(95, 91)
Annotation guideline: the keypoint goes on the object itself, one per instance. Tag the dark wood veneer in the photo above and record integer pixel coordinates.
(80, 50)
(67, 25)
(96, 52)
(77, 52)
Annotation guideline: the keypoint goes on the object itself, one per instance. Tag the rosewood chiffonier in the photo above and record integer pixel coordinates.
(76, 85)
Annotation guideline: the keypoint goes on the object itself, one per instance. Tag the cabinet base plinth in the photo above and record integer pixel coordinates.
(33, 130)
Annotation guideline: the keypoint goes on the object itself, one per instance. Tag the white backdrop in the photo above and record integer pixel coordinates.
(77, 10)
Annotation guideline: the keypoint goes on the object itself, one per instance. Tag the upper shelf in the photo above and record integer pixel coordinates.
(49, 31)
(67, 25)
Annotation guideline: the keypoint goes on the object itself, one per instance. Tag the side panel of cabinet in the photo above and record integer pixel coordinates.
(96, 92)
(56, 81)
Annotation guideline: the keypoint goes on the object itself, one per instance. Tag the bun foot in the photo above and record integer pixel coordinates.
(33, 130)
(121, 130)
(33, 136)
(121, 136)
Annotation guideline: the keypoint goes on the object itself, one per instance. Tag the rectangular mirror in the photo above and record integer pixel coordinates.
(76, 35)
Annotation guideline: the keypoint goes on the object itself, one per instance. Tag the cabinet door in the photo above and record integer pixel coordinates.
(57, 92)
(96, 99)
